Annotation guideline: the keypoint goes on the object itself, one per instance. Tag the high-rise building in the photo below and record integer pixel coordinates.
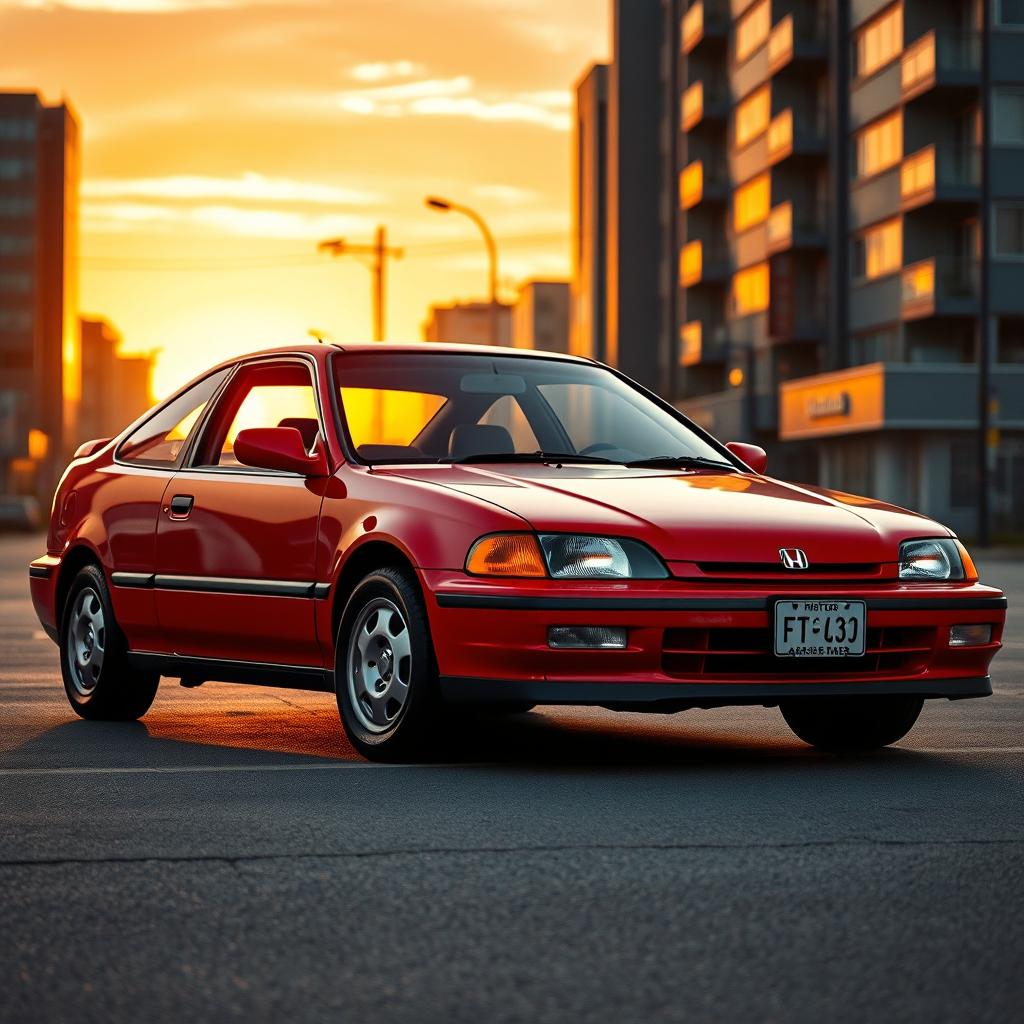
(540, 316)
(116, 389)
(588, 324)
(39, 366)
(469, 323)
(842, 203)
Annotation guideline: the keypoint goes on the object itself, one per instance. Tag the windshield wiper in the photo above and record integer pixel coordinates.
(529, 457)
(681, 462)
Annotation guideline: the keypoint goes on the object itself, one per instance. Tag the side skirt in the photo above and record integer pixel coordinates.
(195, 671)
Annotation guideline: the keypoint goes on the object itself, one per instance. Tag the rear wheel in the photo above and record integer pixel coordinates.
(94, 658)
(846, 724)
(385, 672)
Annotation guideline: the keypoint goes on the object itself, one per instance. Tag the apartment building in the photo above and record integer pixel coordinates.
(840, 230)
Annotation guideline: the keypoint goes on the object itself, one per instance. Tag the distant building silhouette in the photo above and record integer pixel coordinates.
(39, 367)
(540, 317)
(116, 389)
(469, 323)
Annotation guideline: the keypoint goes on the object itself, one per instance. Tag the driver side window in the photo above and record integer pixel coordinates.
(274, 395)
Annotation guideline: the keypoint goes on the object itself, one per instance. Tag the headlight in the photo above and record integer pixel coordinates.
(937, 559)
(580, 556)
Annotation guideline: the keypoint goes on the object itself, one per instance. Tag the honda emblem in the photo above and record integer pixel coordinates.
(793, 558)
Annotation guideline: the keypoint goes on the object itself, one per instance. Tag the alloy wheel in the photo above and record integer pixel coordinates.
(379, 665)
(86, 641)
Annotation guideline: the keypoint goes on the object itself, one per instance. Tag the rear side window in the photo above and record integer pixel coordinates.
(161, 439)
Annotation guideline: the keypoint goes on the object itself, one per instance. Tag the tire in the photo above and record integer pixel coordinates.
(849, 724)
(98, 681)
(385, 671)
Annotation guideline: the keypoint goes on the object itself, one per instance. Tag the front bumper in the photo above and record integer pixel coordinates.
(696, 646)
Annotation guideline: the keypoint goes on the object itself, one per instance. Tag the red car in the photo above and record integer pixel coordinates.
(417, 527)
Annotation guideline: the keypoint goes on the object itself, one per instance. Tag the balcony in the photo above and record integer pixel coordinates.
(783, 234)
(697, 184)
(940, 174)
(940, 59)
(697, 266)
(927, 292)
(699, 105)
(788, 136)
(787, 46)
(703, 20)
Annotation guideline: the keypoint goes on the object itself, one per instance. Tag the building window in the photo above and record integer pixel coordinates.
(15, 245)
(1008, 116)
(1010, 340)
(753, 115)
(1009, 233)
(879, 250)
(880, 42)
(17, 130)
(750, 290)
(11, 170)
(15, 320)
(17, 206)
(752, 30)
(1010, 12)
(751, 203)
(880, 145)
(876, 347)
(14, 281)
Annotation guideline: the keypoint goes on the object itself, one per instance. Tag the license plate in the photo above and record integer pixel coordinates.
(820, 629)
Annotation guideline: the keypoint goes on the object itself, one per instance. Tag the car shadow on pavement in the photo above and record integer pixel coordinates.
(561, 739)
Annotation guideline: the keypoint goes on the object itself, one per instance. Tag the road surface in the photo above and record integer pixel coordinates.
(231, 858)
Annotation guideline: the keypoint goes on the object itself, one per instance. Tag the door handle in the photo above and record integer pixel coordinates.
(181, 506)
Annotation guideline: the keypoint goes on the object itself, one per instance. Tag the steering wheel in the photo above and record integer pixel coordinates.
(600, 446)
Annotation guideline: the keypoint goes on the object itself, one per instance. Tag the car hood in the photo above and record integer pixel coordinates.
(691, 516)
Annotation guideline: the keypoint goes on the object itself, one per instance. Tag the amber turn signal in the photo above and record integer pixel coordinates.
(506, 554)
(970, 571)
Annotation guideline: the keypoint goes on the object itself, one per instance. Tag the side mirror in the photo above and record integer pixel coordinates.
(279, 448)
(756, 458)
(90, 448)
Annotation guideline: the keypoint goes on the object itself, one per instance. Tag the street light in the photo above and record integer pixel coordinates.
(447, 206)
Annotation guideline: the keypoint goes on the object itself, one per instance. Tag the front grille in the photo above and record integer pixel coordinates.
(868, 572)
(731, 653)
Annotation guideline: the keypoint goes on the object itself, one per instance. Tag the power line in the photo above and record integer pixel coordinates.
(181, 264)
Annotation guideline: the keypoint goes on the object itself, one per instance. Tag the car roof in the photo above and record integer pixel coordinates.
(390, 347)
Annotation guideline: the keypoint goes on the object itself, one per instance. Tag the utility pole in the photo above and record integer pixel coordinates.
(376, 257)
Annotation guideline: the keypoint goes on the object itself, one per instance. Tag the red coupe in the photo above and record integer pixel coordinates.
(415, 528)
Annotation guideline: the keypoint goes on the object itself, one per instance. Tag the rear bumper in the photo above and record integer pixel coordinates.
(42, 582)
(680, 696)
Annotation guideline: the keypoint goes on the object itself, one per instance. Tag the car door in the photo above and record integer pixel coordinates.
(236, 545)
(130, 500)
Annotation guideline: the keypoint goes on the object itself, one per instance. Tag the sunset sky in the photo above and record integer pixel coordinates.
(223, 138)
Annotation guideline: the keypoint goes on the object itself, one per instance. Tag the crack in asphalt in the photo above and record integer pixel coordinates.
(455, 851)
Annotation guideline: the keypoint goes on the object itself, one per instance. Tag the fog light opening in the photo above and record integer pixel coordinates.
(971, 634)
(583, 638)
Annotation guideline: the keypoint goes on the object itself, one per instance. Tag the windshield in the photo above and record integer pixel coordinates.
(442, 407)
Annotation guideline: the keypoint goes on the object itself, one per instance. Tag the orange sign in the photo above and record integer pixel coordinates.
(844, 402)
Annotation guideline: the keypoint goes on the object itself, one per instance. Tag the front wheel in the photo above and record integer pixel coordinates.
(848, 724)
(385, 672)
(94, 659)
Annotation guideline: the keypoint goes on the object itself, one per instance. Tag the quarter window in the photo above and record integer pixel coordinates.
(880, 146)
(880, 42)
(162, 438)
(753, 115)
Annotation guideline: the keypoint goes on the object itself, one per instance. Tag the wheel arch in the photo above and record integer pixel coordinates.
(370, 555)
(76, 558)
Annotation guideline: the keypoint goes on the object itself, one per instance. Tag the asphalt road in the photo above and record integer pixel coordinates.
(231, 858)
